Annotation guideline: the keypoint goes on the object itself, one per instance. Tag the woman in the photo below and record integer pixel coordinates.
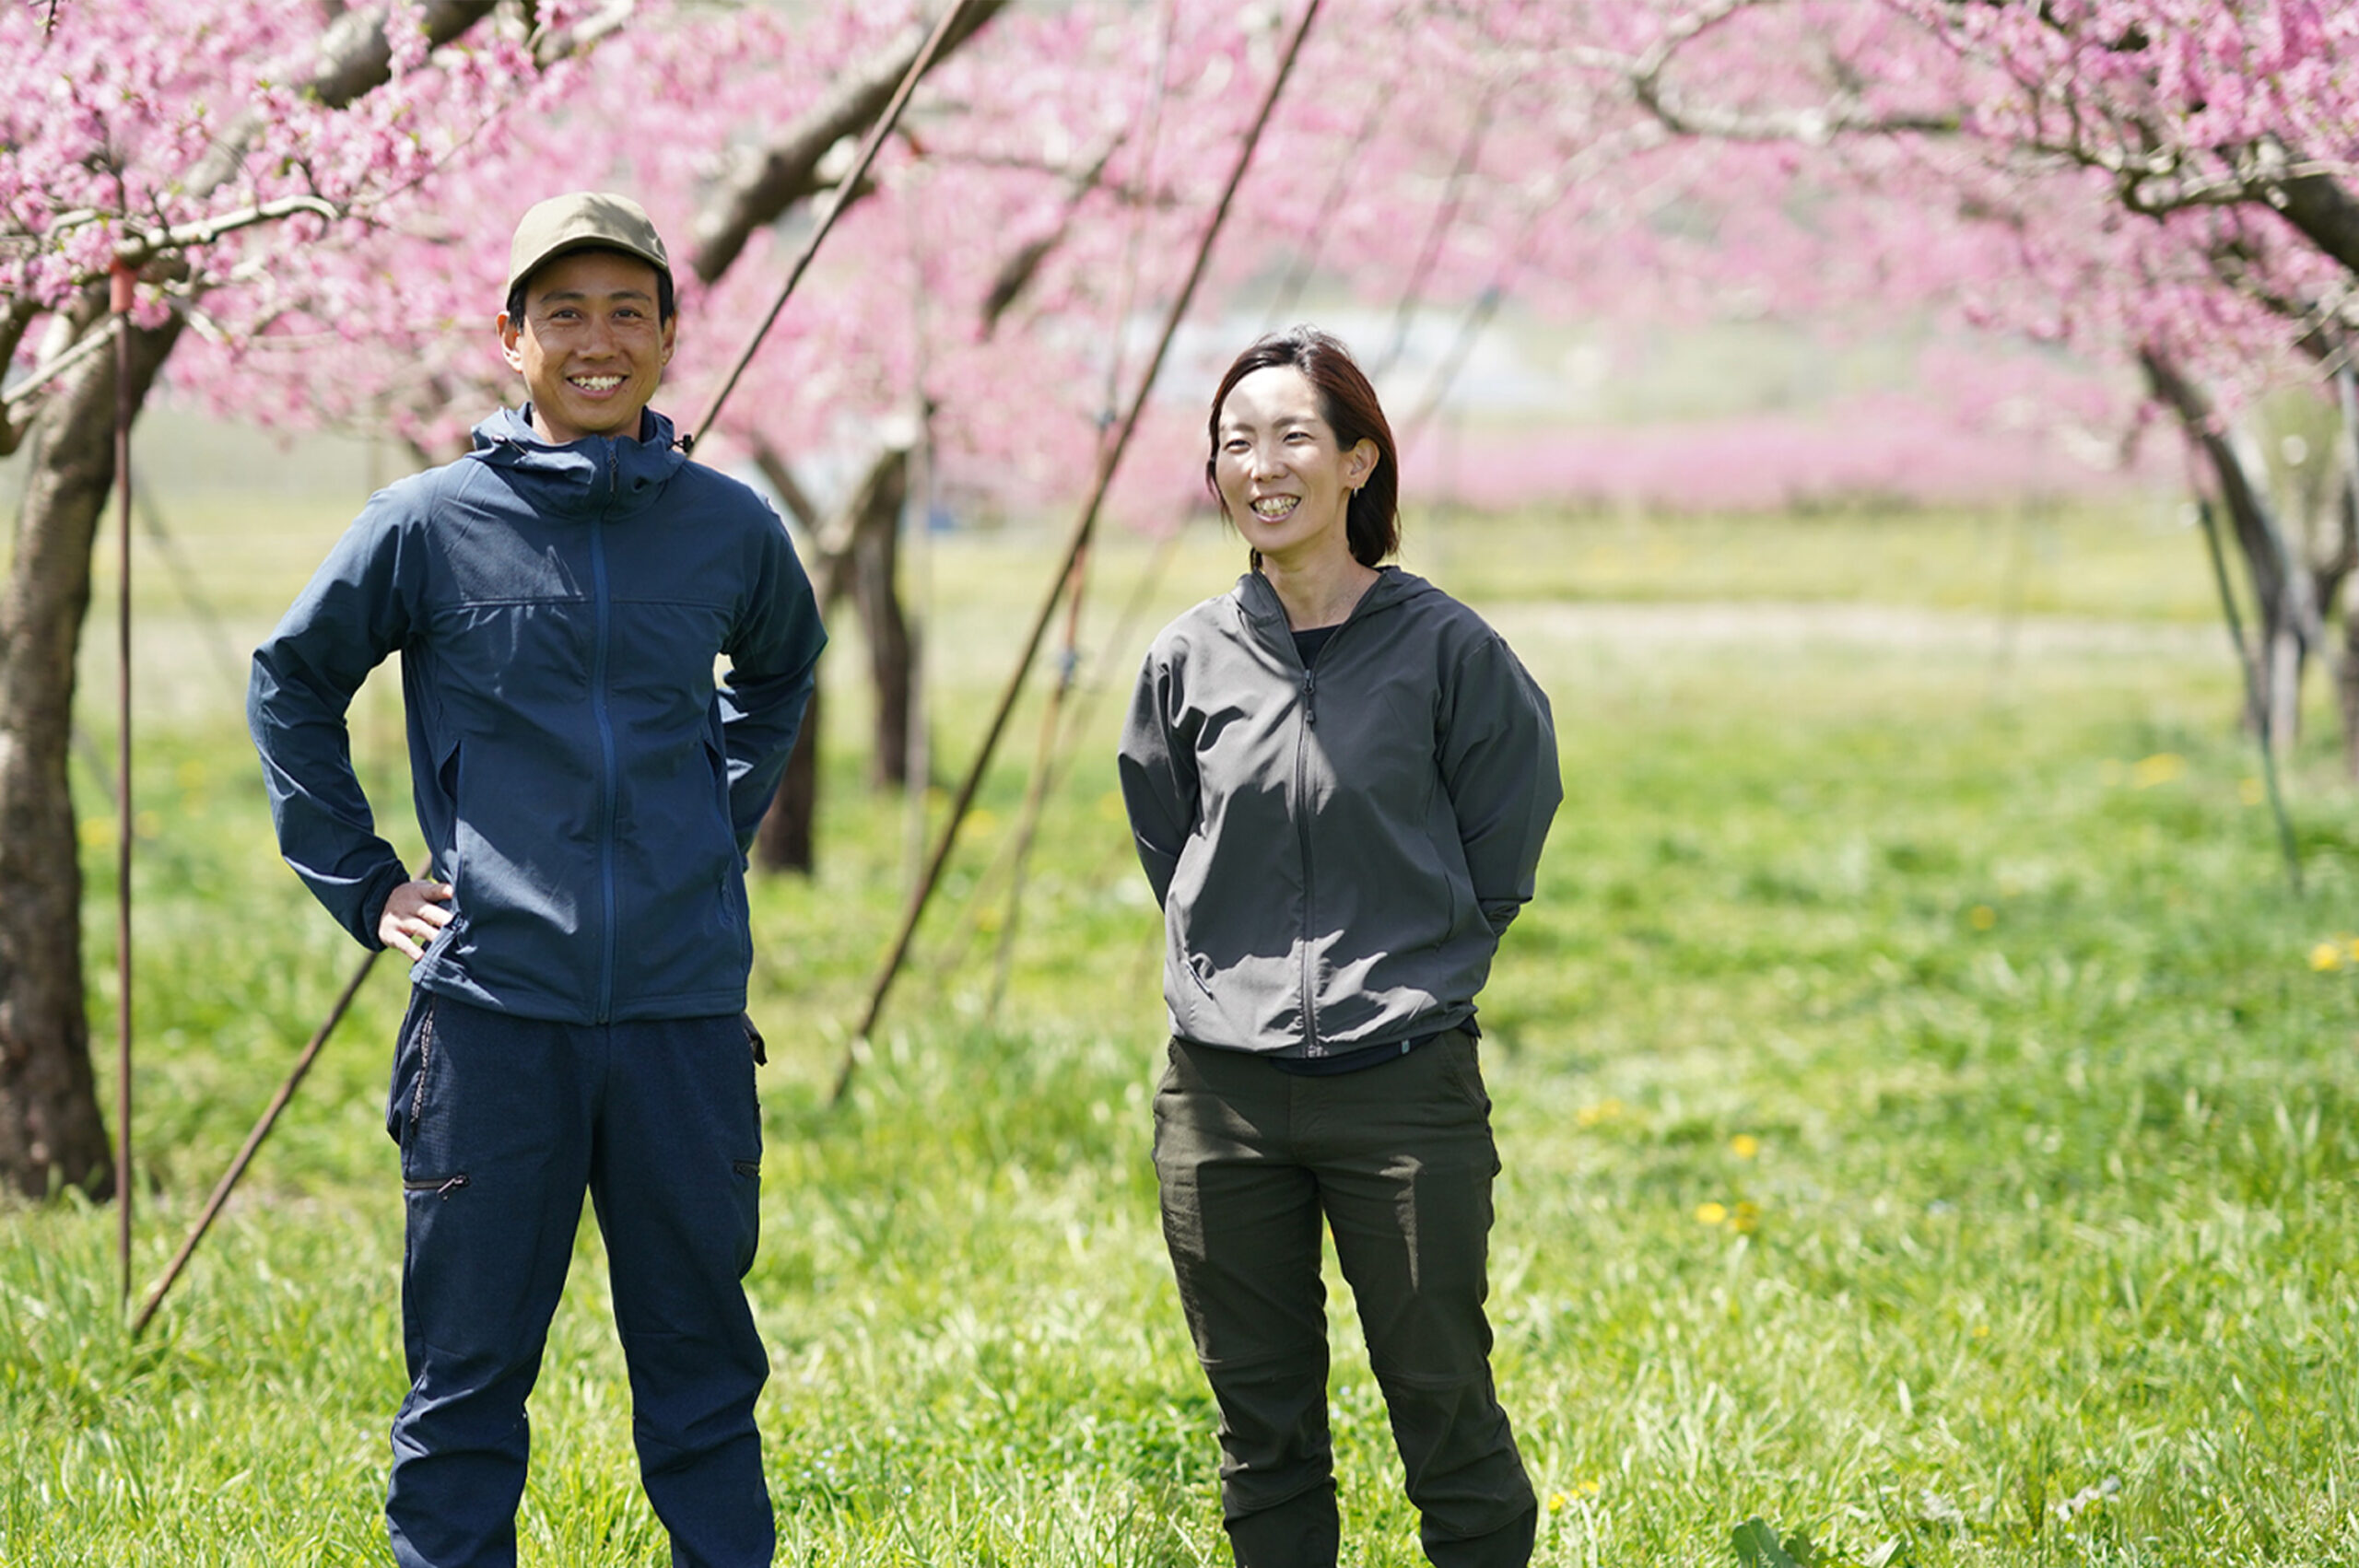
(1338, 779)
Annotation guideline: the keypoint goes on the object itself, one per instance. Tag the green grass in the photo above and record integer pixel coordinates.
(1926, 1125)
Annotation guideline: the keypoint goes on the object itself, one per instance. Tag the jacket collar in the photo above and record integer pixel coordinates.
(592, 474)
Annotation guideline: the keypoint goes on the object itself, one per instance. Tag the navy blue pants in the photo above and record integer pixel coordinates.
(504, 1123)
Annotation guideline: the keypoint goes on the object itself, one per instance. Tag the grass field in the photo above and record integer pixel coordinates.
(1927, 1117)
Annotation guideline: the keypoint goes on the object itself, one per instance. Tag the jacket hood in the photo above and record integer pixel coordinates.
(1259, 600)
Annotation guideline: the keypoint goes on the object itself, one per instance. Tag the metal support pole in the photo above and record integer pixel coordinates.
(119, 297)
(228, 1181)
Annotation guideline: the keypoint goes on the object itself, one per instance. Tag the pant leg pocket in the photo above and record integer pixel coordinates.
(425, 1107)
(1461, 1068)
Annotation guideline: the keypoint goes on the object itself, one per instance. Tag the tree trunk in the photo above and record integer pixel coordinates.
(2346, 688)
(875, 574)
(50, 1129)
(2284, 590)
(858, 553)
(785, 841)
(2343, 510)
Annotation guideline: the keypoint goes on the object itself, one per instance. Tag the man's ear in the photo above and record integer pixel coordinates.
(512, 332)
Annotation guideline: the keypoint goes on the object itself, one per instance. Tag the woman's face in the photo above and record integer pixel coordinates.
(1286, 483)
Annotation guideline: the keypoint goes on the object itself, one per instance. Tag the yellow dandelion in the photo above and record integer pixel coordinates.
(1603, 1111)
(2163, 767)
(98, 832)
(1744, 1145)
(1982, 917)
(1556, 1502)
(191, 774)
(1109, 805)
(1712, 1214)
(1591, 1487)
(1981, 1330)
(2250, 792)
(2326, 956)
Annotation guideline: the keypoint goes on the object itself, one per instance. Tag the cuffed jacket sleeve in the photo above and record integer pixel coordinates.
(1498, 765)
(1156, 764)
(357, 610)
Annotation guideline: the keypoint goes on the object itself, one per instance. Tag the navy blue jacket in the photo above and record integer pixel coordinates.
(583, 782)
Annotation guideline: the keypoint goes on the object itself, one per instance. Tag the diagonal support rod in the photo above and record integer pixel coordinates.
(1108, 461)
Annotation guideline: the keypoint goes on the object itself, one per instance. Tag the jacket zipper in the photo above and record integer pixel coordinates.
(1302, 833)
(606, 790)
(1302, 818)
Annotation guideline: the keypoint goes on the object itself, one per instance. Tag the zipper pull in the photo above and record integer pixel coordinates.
(450, 1187)
(1310, 699)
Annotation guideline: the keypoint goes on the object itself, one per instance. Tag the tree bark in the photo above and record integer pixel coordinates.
(50, 1129)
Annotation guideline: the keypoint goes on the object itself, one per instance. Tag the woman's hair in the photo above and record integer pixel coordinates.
(1349, 406)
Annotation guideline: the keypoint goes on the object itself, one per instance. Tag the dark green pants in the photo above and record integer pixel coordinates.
(1398, 1161)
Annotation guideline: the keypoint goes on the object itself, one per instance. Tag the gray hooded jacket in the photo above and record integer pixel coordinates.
(1336, 849)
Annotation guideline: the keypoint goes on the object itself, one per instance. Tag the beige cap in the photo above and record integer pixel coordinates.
(580, 221)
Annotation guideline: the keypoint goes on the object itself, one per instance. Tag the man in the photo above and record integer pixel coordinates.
(587, 792)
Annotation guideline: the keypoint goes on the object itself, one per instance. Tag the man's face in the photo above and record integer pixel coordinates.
(589, 348)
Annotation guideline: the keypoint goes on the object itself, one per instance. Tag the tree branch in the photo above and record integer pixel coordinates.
(141, 249)
(40, 375)
(1842, 113)
(2322, 210)
(1016, 272)
(789, 171)
(549, 46)
(354, 58)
